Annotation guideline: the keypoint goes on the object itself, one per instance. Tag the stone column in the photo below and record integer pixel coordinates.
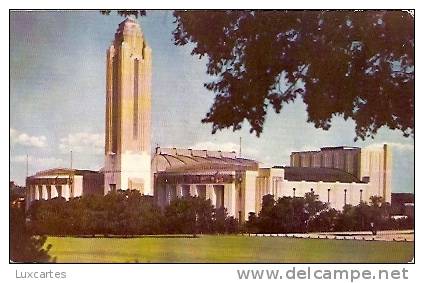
(37, 193)
(66, 191)
(193, 190)
(210, 194)
(54, 192)
(44, 194)
(230, 199)
(179, 189)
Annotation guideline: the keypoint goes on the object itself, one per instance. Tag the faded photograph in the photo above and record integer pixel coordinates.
(212, 136)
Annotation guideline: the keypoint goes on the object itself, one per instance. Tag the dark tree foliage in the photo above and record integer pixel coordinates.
(128, 213)
(121, 213)
(357, 65)
(189, 215)
(194, 215)
(308, 214)
(24, 247)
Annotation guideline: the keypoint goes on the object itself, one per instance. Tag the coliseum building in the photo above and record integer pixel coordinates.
(239, 184)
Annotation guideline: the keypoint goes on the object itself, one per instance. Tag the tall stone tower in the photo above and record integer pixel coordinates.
(128, 108)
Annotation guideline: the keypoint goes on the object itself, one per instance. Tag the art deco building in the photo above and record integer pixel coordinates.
(337, 175)
(63, 182)
(128, 108)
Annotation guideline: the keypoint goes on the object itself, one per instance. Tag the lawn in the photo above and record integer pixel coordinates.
(226, 249)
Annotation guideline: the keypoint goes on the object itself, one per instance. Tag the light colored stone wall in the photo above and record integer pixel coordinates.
(373, 164)
(376, 164)
(336, 193)
(128, 111)
(249, 185)
(77, 186)
(230, 199)
(54, 192)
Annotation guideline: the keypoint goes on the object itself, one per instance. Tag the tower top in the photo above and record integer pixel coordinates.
(128, 23)
(129, 19)
(128, 27)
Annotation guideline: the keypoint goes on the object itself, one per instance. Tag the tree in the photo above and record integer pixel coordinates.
(223, 223)
(252, 223)
(313, 206)
(325, 221)
(267, 220)
(189, 215)
(358, 65)
(24, 246)
(287, 214)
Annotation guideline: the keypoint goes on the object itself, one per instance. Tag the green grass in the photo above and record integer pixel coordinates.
(226, 249)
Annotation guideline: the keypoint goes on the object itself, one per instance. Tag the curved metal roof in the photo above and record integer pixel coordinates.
(63, 171)
(187, 160)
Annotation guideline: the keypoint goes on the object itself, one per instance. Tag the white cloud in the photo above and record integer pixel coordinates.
(83, 143)
(17, 137)
(38, 162)
(395, 145)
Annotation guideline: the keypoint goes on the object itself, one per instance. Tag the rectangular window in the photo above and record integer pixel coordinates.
(135, 110)
(115, 108)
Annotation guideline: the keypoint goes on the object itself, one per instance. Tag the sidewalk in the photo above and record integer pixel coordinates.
(388, 235)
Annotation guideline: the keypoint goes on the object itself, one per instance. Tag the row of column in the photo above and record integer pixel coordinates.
(220, 195)
(37, 192)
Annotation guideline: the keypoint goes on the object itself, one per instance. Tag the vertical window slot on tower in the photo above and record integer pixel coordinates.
(135, 114)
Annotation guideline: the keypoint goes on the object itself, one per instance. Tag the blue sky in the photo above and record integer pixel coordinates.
(57, 100)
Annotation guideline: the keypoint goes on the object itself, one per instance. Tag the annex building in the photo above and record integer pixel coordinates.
(63, 182)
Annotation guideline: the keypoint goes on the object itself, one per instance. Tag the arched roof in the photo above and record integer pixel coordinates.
(187, 160)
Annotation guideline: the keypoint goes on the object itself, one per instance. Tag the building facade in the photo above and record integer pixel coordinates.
(128, 110)
(369, 165)
(338, 175)
(213, 175)
(63, 182)
(240, 184)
